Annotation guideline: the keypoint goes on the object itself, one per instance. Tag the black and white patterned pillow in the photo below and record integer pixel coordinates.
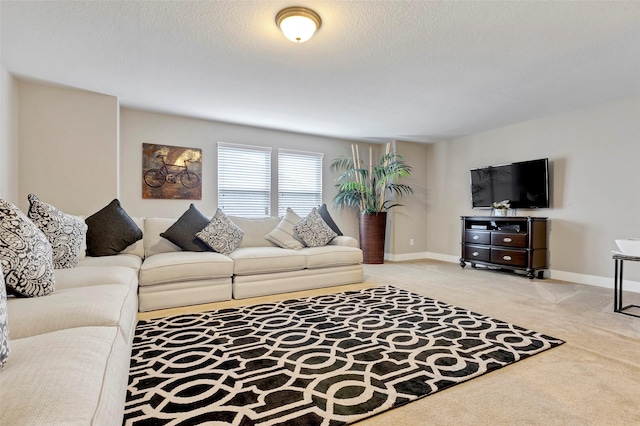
(314, 231)
(324, 213)
(25, 254)
(221, 234)
(4, 324)
(65, 232)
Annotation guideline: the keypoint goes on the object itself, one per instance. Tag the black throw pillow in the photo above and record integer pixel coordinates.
(324, 214)
(183, 232)
(110, 231)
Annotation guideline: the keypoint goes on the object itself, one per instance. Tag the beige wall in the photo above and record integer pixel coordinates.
(409, 221)
(594, 156)
(8, 137)
(78, 151)
(138, 127)
(68, 147)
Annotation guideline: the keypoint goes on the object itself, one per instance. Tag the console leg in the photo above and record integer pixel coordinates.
(463, 263)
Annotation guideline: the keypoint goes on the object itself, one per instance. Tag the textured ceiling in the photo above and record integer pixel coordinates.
(376, 70)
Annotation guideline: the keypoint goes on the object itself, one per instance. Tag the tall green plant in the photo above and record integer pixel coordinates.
(368, 188)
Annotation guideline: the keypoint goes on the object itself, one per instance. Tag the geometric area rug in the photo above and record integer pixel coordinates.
(323, 360)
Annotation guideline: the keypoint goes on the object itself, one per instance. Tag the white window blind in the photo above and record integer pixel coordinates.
(299, 181)
(244, 180)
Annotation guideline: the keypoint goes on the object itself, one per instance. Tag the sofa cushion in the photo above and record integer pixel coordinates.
(66, 233)
(102, 305)
(255, 230)
(25, 254)
(314, 231)
(129, 260)
(153, 242)
(111, 230)
(76, 376)
(96, 275)
(283, 234)
(330, 256)
(324, 213)
(184, 266)
(4, 324)
(136, 248)
(221, 234)
(264, 260)
(343, 240)
(183, 232)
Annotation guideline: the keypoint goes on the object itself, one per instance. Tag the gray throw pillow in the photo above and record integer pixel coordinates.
(221, 234)
(324, 213)
(283, 235)
(314, 231)
(66, 233)
(4, 324)
(110, 231)
(25, 254)
(183, 232)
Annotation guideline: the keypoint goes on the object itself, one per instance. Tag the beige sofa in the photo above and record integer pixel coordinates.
(170, 277)
(70, 350)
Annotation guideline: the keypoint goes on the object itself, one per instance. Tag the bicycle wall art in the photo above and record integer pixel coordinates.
(171, 172)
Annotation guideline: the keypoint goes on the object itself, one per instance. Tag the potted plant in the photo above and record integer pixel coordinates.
(500, 208)
(372, 191)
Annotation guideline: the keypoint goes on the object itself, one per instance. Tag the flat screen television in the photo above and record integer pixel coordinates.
(525, 184)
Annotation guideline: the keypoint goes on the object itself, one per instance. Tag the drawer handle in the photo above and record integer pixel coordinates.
(507, 239)
(476, 237)
(475, 253)
(506, 257)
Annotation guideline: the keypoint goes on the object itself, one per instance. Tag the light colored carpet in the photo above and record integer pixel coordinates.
(593, 379)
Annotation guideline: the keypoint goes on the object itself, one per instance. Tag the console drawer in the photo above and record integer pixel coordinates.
(509, 257)
(479, 253)
(509, 239)
(477, 237)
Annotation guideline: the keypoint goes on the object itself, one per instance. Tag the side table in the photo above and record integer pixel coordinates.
(619, 259)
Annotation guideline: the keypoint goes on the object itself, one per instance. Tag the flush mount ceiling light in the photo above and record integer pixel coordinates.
(298, 23)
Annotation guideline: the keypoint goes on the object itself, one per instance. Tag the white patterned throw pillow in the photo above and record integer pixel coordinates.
(65, 232)
(4, 324)
(221, 234)
(25, 254)
(283, 234)
(314, 231)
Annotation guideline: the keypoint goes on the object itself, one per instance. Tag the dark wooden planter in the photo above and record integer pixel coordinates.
(372, 233)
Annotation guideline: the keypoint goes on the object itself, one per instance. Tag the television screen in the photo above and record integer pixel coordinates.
(525, 184)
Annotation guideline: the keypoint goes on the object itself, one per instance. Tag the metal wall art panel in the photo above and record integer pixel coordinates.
(171, 172)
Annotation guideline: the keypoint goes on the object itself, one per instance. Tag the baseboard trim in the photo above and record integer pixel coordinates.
(593, 280)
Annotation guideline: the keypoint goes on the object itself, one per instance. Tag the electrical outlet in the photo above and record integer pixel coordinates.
(410, 241)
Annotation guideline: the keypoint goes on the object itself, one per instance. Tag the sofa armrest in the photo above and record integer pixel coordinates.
(343, 240)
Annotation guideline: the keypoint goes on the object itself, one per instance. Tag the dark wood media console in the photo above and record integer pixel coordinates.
(515, 243)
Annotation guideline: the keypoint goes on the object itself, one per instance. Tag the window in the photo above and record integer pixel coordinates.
(244, 180)
(299, 181)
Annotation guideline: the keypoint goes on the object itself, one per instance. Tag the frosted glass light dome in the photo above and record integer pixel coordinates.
(298, 24)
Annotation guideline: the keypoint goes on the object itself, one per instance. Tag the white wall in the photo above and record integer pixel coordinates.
(594, 154)
(68, 147)
(8, 137)
(138, 127)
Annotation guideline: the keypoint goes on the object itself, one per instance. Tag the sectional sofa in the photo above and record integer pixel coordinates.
(70, 349)
(170, 277)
